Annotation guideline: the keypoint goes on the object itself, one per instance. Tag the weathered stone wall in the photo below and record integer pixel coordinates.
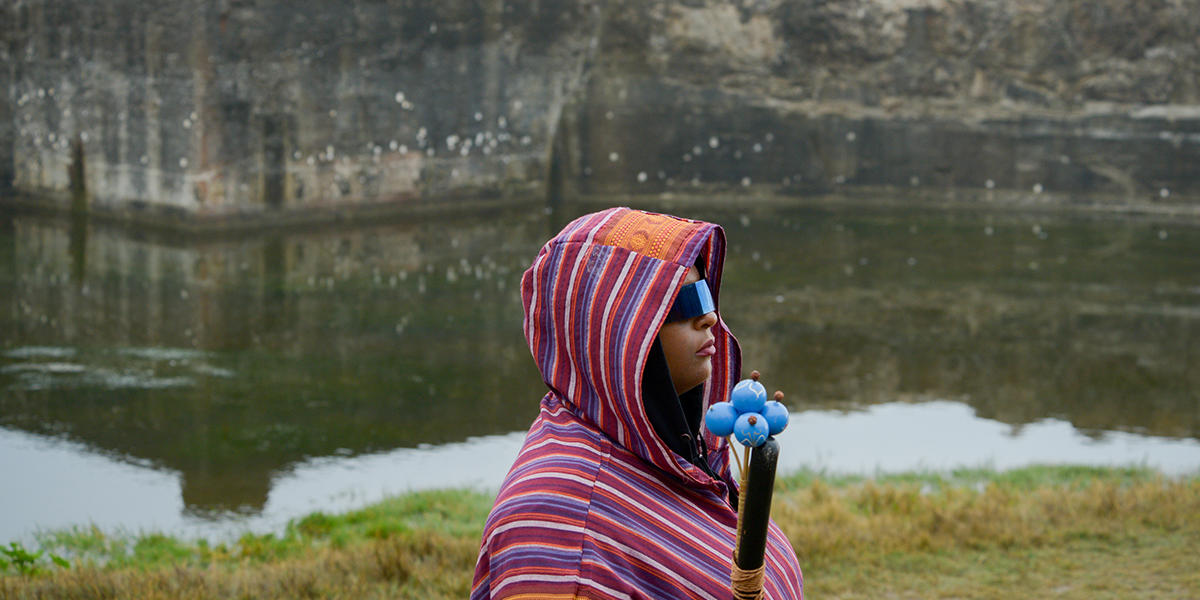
(655, 136)
(1040, 52)
(222, 109)
(1038, 97)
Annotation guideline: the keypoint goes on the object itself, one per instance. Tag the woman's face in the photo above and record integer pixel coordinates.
(689, 346)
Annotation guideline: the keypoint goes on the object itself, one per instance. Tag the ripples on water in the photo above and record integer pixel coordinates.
(114, 369)
(232, 365)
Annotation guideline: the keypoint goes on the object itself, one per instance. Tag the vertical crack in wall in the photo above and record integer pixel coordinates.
(273, 157)
(77, 176)
(561, 118)
(77, 245)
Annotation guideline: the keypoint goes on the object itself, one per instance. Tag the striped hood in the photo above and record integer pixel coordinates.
(595, 299)
(596, 504)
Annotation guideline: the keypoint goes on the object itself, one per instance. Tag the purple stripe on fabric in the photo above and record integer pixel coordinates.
(619, 271)
(633, 320)
(651, 585)
(590, 281)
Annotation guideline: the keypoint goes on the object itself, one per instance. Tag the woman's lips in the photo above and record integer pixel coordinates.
(708, 349)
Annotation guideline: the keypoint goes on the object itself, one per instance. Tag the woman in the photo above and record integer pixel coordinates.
(618, 492)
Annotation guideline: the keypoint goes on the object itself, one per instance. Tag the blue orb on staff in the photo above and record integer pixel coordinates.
(748, 416)
(751, 429)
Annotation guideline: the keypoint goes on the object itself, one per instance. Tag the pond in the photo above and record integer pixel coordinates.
(211, 385)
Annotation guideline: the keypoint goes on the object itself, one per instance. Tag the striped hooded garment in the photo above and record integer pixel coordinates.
(596, 505)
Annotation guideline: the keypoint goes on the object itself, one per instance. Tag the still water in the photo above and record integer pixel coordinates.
(211, 385)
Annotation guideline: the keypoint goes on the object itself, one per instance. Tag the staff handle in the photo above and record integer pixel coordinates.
(754, 515)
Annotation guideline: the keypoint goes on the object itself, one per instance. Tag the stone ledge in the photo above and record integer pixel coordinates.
(173, 222)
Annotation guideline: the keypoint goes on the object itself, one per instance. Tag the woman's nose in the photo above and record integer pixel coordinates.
(706, 320)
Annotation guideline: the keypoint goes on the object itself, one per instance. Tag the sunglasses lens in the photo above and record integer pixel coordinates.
(694, 299)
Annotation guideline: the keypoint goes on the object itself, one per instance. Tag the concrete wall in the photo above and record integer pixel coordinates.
(666, 139)
(227, 110)
(1076, 99)
(224, 108)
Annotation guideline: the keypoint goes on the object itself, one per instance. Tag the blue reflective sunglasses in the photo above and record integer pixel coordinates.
(693, 300)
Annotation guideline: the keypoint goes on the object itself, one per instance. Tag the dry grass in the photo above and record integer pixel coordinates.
(421, 545)
(1110, 537)
(1041, 532)
(429, 565)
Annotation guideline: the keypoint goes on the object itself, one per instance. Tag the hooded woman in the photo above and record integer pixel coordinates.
(618, 492)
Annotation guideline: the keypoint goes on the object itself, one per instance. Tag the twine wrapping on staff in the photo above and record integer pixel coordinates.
(747, 585)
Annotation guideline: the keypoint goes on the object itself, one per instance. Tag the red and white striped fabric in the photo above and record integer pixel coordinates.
(596, 505)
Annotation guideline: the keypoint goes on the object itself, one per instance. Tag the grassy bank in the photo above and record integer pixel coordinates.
(1065, 532)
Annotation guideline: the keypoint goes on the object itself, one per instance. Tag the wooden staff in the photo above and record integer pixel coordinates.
(754, 516)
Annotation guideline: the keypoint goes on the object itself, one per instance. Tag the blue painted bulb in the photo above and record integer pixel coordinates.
(776, 415)
(748, 396)
(751, 429)
(720, 418)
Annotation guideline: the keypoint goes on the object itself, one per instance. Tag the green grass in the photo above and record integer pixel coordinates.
(449, 513)
(1069, 532)
(1034, 532)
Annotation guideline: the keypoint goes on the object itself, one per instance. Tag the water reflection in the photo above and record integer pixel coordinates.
(1095, 322)
(227, 361)
(230, 362)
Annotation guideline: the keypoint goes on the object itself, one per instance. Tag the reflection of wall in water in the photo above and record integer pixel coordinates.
(1021, 319)
(1036, 360)
(388, 336)
(231, 360)
(210, 295)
